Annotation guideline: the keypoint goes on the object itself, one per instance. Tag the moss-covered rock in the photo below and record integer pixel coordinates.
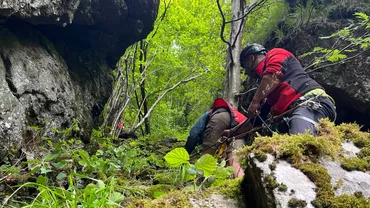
(306, 153)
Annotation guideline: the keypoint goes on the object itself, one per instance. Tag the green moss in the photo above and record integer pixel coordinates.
(174, 199)
(346, 201)
(355, 163)
(230, 188)
(270, 181)
(260, 155)
(352, 133)
(365, 152)
(272, 166)
(282, 187)
(159, 189)
(298, 148)
(165, 178)
(358, 194)
(294, 202)
(321, 178)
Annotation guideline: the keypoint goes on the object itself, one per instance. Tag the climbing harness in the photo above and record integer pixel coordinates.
(224, 141)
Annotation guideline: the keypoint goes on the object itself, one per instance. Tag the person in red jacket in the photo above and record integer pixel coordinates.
(283, 85)
(210, 128)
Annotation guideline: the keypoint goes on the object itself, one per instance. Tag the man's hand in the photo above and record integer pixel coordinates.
(226, 133)
(253, 110)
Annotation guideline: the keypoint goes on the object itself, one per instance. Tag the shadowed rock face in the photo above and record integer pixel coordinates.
(56, 59)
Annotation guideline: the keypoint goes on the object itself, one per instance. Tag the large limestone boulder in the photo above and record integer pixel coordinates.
(56, 61)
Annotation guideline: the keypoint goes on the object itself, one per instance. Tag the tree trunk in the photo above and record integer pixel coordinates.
(144, 101)
(232, 84)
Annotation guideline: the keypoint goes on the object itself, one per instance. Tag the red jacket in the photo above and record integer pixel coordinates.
(294, 81)
(236, 116)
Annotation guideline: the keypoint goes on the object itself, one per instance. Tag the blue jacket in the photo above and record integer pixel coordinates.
(196, 133)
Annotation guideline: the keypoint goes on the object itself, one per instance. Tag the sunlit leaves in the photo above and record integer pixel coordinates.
(177, 157)
(349, 43)
(207, 163)
(362, 16)
(336, 56)
(187, 43)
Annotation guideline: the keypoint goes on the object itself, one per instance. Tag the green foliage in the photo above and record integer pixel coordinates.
(349, 42)
(177, 157)
(61, 177)
(304, 12)
(208, 164)
(96, 194)
(262, 22)
(184, 43)
(205, 170)
(282, 187)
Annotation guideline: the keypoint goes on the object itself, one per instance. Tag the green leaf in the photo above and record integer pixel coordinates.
(44, 170)
(223, 163)
(34, 170)
(42, 180)
(362, 16)
(117, 197)
(336, 56)
(207, 163)
(52, 156)
(84, 158)
(222, 173)
(184, 174)
(230, 169)
(100, 184)
(90, 188)
(211, 179)
(192, 171)
(60, 165)
(61, 176)
(177, 157)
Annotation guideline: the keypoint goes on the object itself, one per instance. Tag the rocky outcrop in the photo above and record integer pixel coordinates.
(278, 187)
(331, 169)
(56, 60)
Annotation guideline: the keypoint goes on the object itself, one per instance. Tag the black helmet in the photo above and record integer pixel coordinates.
(253, 48)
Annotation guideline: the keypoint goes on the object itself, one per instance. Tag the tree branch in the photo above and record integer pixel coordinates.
(223, 24)
(160, 98)
(163, 15)
(339, 62)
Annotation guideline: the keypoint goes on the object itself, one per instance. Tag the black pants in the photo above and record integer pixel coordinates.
(306, 117)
